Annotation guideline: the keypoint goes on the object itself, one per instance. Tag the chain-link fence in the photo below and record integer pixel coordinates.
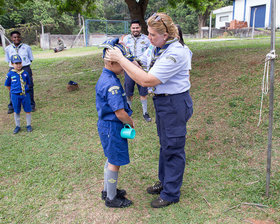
(97, 31)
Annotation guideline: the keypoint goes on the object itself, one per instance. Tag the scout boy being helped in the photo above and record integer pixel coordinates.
(113, 113)
(17, 81)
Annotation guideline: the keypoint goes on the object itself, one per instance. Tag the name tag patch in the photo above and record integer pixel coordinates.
(114, 89)
(171, 58)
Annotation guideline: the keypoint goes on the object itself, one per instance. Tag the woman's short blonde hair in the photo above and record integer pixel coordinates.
(163, 23)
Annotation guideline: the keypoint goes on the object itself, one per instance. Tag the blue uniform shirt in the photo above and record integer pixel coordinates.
(110, 96)
(171, 68)
(137, 45)
(13, 80)
(24, 51)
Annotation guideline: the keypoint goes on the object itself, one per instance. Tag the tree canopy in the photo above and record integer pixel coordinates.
(62, 14)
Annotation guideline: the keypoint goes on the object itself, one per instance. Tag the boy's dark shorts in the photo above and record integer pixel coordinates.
(115, 147)
(129, 87)
(17, 100)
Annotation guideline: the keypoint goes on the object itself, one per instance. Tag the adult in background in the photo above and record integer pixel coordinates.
(137, 43)
(25, 52)
(60, 45)
(166, 60)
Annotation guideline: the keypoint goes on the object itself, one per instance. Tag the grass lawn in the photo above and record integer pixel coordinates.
(55, 173)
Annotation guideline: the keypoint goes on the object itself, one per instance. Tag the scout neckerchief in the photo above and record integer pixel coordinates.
(158, 51)
(135, 42)
(17, 47)
(22, 83)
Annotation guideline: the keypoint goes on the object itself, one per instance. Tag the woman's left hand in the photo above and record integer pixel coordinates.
(114, 54)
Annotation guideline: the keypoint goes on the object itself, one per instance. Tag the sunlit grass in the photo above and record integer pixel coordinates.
(55, 173)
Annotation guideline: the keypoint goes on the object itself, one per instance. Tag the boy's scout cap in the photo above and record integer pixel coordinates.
(109, 44)
(15, 59)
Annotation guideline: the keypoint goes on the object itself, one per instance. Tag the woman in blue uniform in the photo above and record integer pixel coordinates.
(166, 61)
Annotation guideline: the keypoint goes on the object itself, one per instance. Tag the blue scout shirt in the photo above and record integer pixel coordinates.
(23, 50)
(137, 45)
(110, 96)
(18, 81)
(171, 68)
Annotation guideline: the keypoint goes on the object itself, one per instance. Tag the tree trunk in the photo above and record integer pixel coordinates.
(137, 11)
(202, 18)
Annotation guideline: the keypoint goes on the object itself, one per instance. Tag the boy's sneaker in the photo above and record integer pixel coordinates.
(10, 110)
(117, 202)
(147, 117)
(29, 128)
(120, 194)
(155, 189)
(17, 129)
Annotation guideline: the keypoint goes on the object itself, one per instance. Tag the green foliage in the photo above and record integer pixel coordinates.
(34, 12)
(181, 14)
(85, 7)
(108, 27)
(59, 15)
(185, 16)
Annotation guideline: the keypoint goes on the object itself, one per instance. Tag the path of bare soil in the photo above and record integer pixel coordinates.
(48, 54)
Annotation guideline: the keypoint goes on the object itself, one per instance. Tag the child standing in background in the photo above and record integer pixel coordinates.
(17, 81)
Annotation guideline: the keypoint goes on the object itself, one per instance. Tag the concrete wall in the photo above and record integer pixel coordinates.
(67, 39)
(49, 41)
(45, 41)
(219, 23)
(96, 39)
(239, 10)
(251, 3)
(241, 33)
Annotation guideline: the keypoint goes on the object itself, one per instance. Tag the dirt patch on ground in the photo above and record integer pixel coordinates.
(84, 205)
(65, 54)
(4, 118)
(47, 54)
(254, 221)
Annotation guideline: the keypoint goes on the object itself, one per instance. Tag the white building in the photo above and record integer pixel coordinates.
(223, 16)
(243, 10)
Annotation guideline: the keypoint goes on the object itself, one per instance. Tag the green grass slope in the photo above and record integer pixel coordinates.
(55, 173)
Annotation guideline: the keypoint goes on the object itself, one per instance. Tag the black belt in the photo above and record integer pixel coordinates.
(21, 94)
(163, 94)
(166, 94)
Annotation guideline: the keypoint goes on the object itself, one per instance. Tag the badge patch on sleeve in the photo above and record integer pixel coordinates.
(114, 90)
(171, 58)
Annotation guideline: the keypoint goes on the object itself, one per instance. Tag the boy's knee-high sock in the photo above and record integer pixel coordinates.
(144, 106)
(105, 175)
(28, 119)
(17, 119)
(129, 102)
(112, 180)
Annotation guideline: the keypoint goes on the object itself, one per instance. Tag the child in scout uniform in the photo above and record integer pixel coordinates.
(113, 113)
(17, 81)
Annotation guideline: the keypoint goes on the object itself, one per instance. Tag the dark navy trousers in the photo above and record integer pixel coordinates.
(172, 114)
(30, 91)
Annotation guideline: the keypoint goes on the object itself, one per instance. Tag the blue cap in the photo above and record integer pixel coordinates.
(72, 83)
(16, 58)
(109, 44)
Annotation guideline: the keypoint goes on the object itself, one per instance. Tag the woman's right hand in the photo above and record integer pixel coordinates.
(113, 54)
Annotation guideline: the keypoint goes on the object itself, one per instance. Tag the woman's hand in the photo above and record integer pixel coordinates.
(114, 54)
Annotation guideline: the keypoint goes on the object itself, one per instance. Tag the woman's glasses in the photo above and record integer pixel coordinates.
(157, 18)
